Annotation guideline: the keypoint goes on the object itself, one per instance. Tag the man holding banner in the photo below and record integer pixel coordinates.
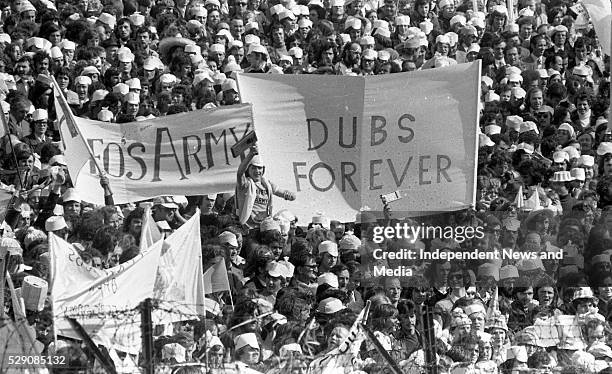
(254, 192)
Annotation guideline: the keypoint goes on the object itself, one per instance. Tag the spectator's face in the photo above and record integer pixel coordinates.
(581, 53)
(505, 96)
(15, 52)
(30, 15)
(367, 64)
(238, 54)
(131, 109)
(111, 53)
(19, 112)
(308, 272)
(498, 50)
(40, 127)
(525, 31)
(512, 56)
(114, 221)
(22, 68)
(525, 297)
(443, 49)
(541, 47)
(250, 356)
(278, 35)
(144, 39)
(125, 67)
(327, 260)
(237, 26)
(560, 38)
(255, 172)
(455, 280)
(72, 208)
(604, 291)
(498, 337)
(462, 331)
(304, 31)
(583, 107)
(337, 336)
(448, 11)
(536, 100)
(584, 305)
(124, 30)
(337, 10)
(135, 227)
(81, 90)
(277, 249)
(162, 213)
(214, 18)
(231, 252)
(442, 273)
(343, 279)
(393, 290)
(546, 296)
(207, 205)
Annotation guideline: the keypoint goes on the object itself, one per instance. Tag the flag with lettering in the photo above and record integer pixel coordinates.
(79, 289)
(186, 153)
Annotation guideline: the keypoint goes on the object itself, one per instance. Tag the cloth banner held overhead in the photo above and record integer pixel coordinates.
(187, 153)
(80, 289)
(340, 142)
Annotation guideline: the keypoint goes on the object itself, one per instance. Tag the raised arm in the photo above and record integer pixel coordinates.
(244, 165)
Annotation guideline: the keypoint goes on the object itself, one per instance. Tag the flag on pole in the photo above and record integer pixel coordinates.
(519, 200)
(600, 12)
(215, 278)
(4, 129)
(150, 232)
(76, 150)
(179, 276)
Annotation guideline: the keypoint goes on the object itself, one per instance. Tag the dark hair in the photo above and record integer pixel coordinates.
(381, 313)
(105, 239)
(137, 213)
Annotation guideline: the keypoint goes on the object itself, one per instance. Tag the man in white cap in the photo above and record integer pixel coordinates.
(130, 108)
(38, 125)
(328, 255)
(230, 92)
(71, 201)
(234, 261)
(57, 225)
(254, 192)
(165, 208)
(81, 87)
(247, 353)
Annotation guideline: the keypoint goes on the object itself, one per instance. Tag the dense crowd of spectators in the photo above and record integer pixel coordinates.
(544, 183)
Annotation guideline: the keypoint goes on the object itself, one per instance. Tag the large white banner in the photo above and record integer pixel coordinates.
(78, 289)
(340, 142)
(181, 154)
